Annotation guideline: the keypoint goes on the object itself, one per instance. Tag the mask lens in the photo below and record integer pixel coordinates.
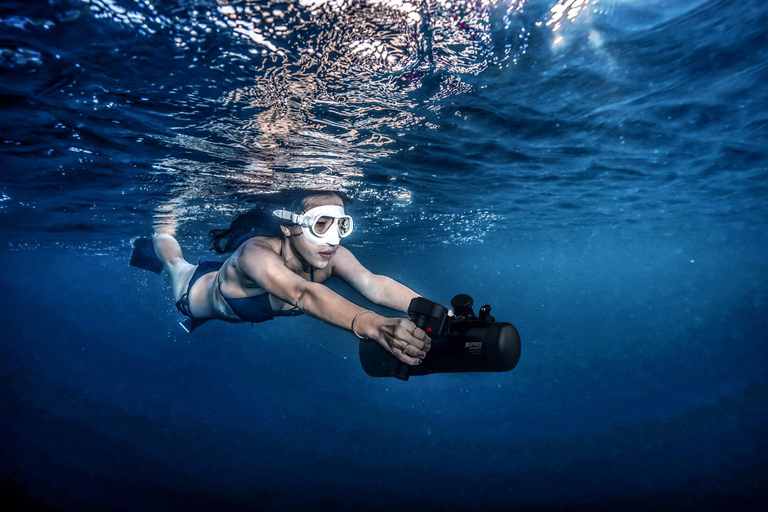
(345, 226)
(322, 225)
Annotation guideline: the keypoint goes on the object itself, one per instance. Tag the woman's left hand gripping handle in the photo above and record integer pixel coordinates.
(402, 338)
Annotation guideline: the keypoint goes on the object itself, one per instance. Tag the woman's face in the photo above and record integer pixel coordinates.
(316, 255)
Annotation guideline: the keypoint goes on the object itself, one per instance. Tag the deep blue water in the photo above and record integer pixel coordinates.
(603, 184)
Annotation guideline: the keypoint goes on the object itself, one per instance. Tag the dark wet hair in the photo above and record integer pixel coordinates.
(259, 221)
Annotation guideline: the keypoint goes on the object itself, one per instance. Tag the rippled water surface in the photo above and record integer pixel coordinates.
(594, 169)
(477, 114)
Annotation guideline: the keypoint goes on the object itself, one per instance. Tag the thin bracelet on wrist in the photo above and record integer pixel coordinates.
(355, 320)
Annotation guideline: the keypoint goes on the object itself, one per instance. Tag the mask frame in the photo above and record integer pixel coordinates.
(341, 227)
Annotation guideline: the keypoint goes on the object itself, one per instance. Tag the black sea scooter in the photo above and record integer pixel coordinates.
(460, 343)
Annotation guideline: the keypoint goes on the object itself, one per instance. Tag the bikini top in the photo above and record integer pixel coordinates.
(258, 308)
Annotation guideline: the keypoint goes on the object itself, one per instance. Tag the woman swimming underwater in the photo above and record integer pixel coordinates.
(283, 275)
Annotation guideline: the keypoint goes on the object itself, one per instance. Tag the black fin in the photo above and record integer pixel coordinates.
(186, 324)
(143, 256)
(190, 324)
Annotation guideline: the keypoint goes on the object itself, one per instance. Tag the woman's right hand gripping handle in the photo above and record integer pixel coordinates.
(399, 336)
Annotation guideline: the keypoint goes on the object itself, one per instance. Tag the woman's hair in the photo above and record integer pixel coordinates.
(259, 221)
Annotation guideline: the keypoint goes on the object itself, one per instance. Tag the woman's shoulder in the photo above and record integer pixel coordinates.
(345, 263)
(260, 243)
(249, 259)
(253, 250)
(343, 252)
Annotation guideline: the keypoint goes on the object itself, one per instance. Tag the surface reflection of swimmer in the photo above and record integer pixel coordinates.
(269, 276)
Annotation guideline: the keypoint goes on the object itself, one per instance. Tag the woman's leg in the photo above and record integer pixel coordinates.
(168, 251)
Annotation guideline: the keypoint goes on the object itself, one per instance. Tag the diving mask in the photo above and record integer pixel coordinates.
(322, 225)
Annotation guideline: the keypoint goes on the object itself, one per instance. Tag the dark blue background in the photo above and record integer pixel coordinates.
(642, 383)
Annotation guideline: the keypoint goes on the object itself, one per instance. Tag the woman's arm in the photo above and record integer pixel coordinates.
(379, 289)
(260, 263)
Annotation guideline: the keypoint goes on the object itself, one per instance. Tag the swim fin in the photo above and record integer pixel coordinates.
(143, 256)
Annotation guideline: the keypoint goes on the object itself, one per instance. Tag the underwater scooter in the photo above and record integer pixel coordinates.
(460, 343)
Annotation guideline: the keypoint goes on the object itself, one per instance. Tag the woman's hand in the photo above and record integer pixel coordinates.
(399, 336)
